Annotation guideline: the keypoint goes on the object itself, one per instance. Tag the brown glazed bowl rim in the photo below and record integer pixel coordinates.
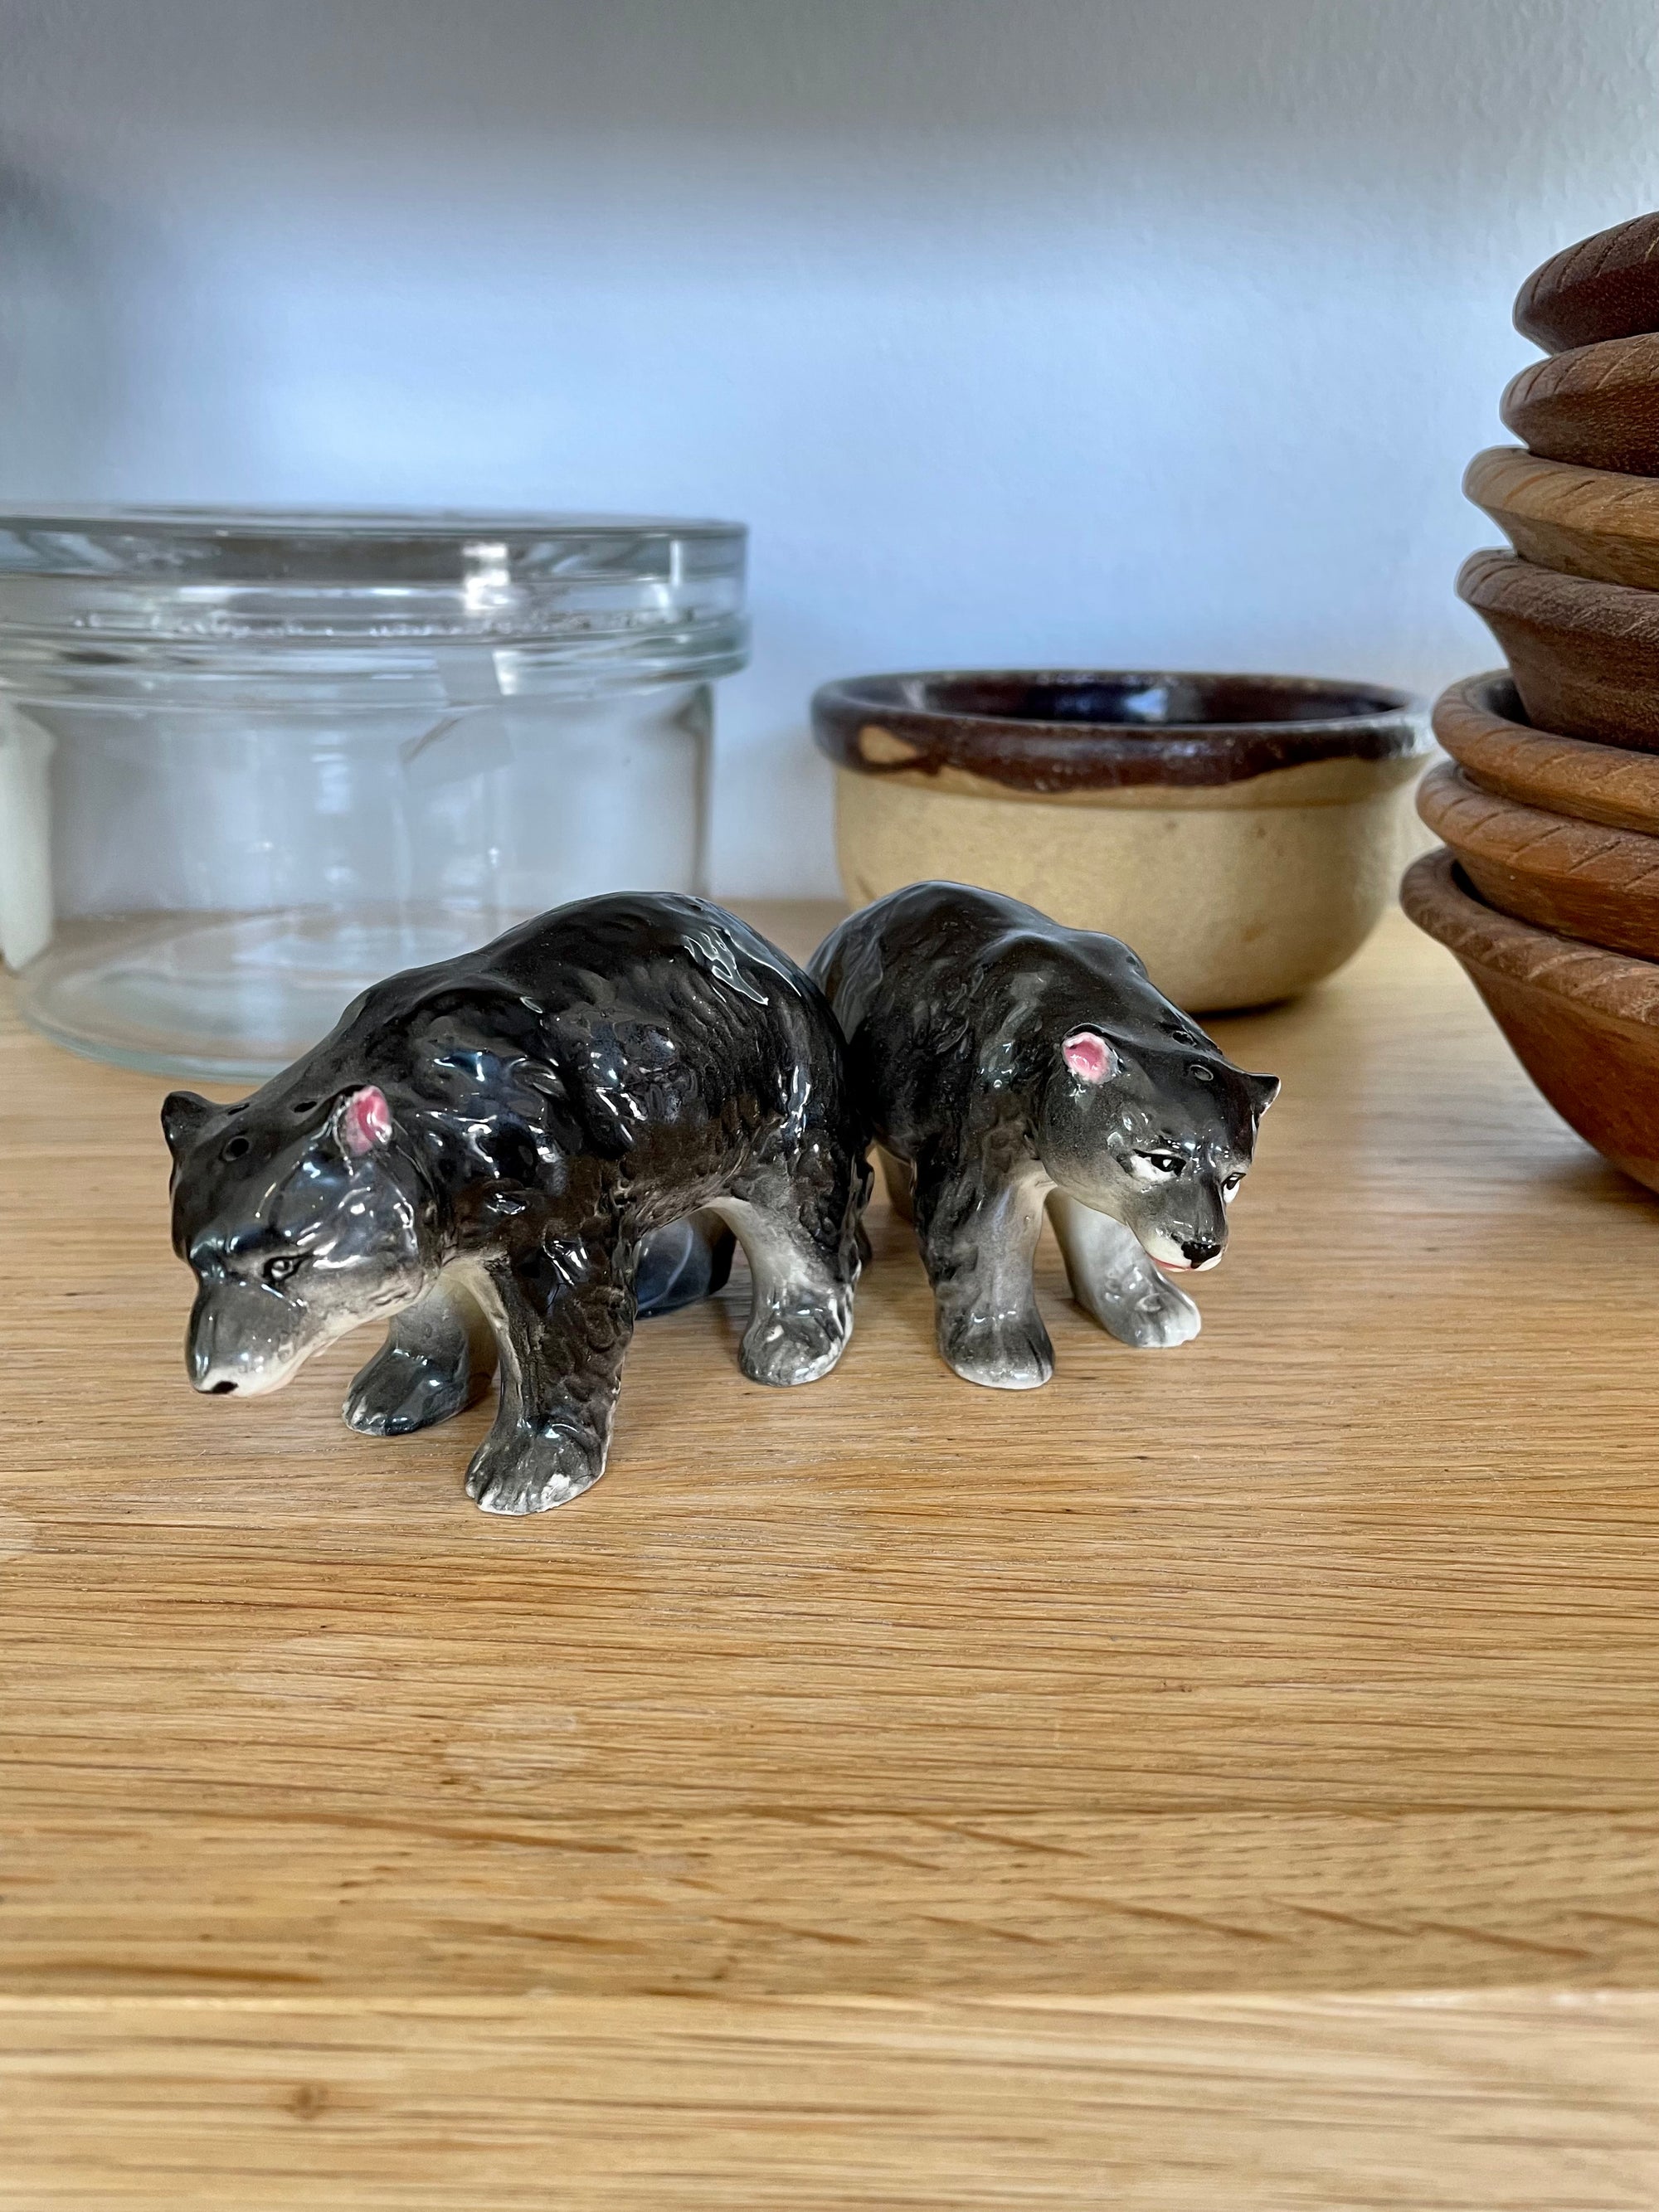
(1001, 724)
(1438, 897)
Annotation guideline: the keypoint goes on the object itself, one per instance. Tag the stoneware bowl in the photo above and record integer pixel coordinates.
(1584, 1024)
(1241, 832)
(1480, 723)
(1581, 522)
(1597, 406)
(1584, 655)
(1580, 878)
(1605, 287)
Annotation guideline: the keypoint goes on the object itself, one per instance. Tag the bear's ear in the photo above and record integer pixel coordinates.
(363, 1120)
(1089, 1056)
(184, 1115)
(1264, 1089)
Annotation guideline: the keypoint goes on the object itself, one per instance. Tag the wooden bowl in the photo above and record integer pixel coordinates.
(1580, 878)
(1597, 406)
(1242, 833)
(1580, 522)
(1584, 1024)
(1479, 721)
(1584, 655)
(1605, 287)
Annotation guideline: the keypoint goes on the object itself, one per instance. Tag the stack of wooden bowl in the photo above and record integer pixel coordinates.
(1547, 886)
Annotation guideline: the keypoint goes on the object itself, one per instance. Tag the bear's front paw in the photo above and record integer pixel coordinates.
(529, 1470)
(1004, 1351)
(400, 1392)
(783, 1345)
(1154, 1316)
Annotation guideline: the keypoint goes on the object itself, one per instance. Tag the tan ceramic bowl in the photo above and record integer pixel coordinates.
(1242, 833)
(1584, 1024)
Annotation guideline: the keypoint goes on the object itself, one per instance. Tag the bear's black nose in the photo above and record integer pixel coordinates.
(218, 1390)
(1200, 1251)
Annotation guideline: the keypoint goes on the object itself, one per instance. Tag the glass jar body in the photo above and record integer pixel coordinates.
(203, 858)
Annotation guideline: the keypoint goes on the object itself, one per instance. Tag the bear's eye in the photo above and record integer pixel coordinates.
(279, 1269)
(1163, 1163)
(1230, 1188)
(237, 1148)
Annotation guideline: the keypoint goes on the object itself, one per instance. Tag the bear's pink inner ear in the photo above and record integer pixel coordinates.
(364, 1120)
(1089, 1056)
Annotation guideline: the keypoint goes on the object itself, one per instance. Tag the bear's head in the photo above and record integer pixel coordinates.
(1159, 1133)
(300, 1217)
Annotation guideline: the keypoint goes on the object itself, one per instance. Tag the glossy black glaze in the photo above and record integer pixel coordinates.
(1006, 1063)
(500, 1153)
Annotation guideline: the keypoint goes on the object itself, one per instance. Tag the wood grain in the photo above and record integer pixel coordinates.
(1598, 405)
(1581, 522)
(1439, 2104)
(1582, 878)
(1477, 722)
(680, 1847)
(1584, 655)
(1604, 286)
(1583, 1022)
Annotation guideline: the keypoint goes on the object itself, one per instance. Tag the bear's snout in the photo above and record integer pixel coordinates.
(228, 1349)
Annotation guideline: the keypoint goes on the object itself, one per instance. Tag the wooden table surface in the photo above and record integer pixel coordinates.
(1224, 1778)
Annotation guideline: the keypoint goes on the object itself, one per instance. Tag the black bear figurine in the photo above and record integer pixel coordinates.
(499, 1151)
(1005, 1063)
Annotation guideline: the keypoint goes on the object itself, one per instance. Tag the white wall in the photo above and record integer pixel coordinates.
(1115, 331)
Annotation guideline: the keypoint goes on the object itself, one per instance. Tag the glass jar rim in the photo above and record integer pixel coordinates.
(75, 540)
(201, 574)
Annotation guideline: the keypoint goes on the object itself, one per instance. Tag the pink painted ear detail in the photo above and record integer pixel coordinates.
(1089, 1056)
(364, 1120)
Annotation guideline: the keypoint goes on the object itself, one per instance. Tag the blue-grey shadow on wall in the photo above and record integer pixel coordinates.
(61, 338)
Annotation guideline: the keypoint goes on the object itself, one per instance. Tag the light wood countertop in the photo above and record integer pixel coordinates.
(885, 1794)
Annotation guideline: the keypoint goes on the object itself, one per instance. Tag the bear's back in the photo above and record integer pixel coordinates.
(945, 991)
(594, 1023)
(626, 956)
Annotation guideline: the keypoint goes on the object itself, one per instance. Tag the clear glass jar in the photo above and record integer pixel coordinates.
(251, 762)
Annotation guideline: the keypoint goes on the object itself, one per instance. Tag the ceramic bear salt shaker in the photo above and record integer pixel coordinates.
(1007, 1064)
(498, 1153)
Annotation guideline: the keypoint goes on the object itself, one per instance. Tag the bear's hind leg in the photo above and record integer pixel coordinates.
(563, 1318)
(689, 1261)
(978, 1235)
(437, 1359)
(803, 1253)
(1113, 1280)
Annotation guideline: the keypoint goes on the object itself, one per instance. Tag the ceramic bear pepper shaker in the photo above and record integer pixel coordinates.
(1007, 1064)
(494, 1153)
